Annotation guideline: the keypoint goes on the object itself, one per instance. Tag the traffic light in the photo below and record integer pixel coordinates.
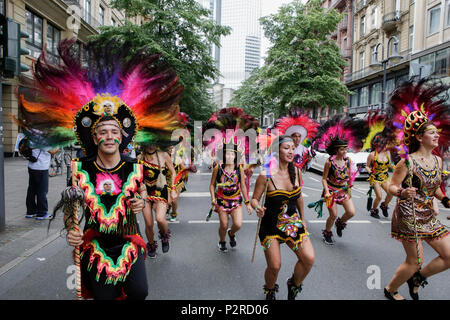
(12, 49)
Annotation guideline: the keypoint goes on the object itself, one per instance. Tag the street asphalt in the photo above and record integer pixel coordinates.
(36, 264)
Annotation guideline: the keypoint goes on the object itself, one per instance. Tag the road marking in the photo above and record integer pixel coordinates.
(351, 221)
(314, 179)
(28, 253)
(199, 194)
(355, 189)
(217, 221)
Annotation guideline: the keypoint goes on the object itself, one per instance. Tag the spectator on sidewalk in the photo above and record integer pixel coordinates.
(36, 200)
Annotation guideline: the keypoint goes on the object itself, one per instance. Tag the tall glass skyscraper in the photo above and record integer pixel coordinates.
(240, 51)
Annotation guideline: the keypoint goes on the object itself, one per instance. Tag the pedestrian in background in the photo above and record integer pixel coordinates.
(36, 201)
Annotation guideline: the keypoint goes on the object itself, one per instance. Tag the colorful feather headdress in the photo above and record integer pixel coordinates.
(229, 121)
(67, 100)
(377, 132)
(299, 122)
(341, 132)
(413, 104)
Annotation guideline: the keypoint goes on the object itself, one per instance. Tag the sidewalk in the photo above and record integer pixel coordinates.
(23, 236)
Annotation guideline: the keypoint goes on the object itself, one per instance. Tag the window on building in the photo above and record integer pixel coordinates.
(411, 37)
(113, 22)
(34, 29)
(374, 17)
(362, 57)
(354, 101)
(323, 112)
(364, 96)
(434, 15)
(447, 13)
(441, 62)
(52, 39)
(427, 61)
(373, 54)
(87, 11)
(101, 13)
(375, 93)
(363, 26)
(390, 86)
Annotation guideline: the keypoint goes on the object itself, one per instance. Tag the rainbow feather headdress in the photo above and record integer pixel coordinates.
(68, 99)
(339, 132)
(229, 121)
(299, 122)
(413, 104)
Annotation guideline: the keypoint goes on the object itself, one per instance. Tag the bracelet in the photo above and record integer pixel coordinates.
(246, 202)
(399, 192)
(173, 188)
(445, 203)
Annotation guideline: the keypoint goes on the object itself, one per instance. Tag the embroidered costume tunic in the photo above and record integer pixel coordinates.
(281, 220)
(228, 194)
(337, 181)
(151, 173)
(380, 170)
(428, 226)
(111, 236)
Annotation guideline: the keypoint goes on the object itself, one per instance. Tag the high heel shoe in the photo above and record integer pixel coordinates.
(390, 295)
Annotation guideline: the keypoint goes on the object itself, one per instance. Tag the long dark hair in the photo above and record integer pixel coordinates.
(291, 167)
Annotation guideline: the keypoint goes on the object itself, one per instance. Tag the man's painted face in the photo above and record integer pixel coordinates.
(108, 136)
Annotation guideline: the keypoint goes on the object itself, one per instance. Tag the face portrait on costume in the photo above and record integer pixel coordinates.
(108, 183)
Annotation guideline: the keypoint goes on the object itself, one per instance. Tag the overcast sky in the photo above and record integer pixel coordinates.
(270, 7)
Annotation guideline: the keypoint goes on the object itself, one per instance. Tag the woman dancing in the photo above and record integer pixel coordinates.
(418, 115)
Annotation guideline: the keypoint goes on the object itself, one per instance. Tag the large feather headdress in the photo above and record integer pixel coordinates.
(298, 121)
(68, 99)
(338, 132)
(413, 104)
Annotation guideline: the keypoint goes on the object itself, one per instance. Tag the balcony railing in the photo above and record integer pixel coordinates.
(391, 19)
(367, 71)
(89, 19)
(343, 24)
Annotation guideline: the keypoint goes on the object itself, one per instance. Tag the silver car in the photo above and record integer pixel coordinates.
(360, 158)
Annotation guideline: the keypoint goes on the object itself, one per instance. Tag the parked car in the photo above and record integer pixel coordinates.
(360, 158)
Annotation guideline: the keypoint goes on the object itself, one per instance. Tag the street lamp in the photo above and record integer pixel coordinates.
(394, 58)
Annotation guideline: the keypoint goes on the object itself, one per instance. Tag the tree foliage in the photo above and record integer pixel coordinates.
(304, 66)
(182, 31)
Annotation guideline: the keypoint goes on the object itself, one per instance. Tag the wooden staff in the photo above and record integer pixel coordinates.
(76, 251)
(415, 219)
(259, 221)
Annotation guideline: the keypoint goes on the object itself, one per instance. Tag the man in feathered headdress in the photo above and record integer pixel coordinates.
(105, 106)
(302, 130)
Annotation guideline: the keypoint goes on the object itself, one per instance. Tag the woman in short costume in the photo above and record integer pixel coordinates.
(422, 122)
(282, 219)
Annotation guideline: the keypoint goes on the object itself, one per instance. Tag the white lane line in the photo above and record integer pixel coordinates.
(351, 221)
(217, 221)
(199, 194)
(355, 189)
(313, 179)
(309, 221)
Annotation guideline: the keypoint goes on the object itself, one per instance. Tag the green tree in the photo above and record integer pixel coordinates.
(304, 65)
(183, 32)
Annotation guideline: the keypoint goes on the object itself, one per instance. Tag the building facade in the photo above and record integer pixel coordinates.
(47, 22)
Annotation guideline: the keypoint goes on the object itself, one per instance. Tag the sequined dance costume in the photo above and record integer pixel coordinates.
(112, 242)
(337, 181)
(380, 171)
(428, 226)
(151, 173)
(229, 189)
(281, 220)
